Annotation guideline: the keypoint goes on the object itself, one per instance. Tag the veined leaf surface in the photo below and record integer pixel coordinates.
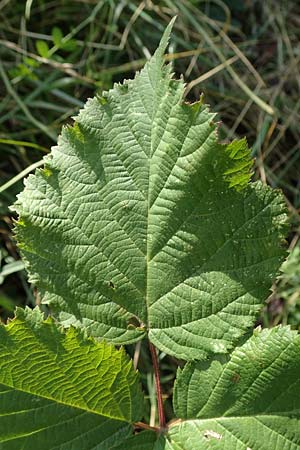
(142, 222)
(147, 440)
(252, 402)
(63, 391)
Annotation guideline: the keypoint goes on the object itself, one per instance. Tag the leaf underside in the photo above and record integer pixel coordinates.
(142, 222)
(251, 402)
(63, 391)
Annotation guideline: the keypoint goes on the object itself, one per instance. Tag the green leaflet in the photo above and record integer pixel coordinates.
(250, 402)
(63, 391)
(142, 222)
(66, 392)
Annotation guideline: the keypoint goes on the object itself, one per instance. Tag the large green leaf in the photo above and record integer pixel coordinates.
(143, 222)
(252, 402)
(63, 391)
(147, 440)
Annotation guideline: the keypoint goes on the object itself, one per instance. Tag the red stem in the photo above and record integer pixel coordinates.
(161, 414)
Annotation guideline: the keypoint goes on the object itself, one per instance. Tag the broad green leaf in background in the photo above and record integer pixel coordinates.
(142, 222)
(252, 402)
(61, 390)
(147, 440)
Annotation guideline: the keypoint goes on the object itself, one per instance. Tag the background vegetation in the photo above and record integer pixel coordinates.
(243, 55)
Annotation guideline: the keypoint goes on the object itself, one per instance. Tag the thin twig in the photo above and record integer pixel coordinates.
(64, 67)
(21, 175)
(24, 108)
(136, 356)
(210, 73)
(145, 426)
(261, 103)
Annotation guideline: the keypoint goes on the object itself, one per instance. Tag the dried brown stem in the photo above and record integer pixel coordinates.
(145, 426)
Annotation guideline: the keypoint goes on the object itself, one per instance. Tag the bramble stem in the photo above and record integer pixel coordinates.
(145, 426)
(160, 407)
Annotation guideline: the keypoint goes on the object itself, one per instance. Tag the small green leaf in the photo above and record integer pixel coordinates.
(66, 391)
(142, 213)
(42, 48)
(57, 36)
(31, 62)
(250, 402)
(69, 45)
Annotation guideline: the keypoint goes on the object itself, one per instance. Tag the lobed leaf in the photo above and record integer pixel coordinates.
(142, 222)
(63, 391)
(251, 402)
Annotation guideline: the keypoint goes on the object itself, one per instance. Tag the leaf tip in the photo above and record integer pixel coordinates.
(165, 38)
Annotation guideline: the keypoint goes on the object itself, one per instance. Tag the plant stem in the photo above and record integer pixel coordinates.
(145, 426)
(137, 352)
(160, 407)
